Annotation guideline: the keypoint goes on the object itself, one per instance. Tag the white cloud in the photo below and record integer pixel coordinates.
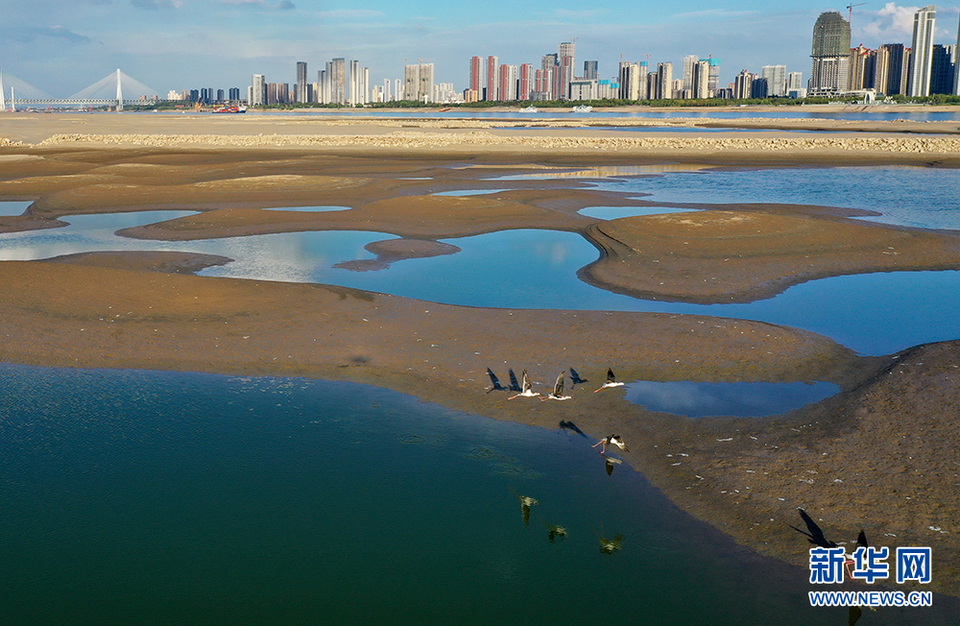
(153, 5)
(892, 23)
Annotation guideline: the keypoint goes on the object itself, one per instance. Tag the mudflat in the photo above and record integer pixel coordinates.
(879, 455)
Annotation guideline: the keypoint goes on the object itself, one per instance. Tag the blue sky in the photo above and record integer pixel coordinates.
(62, 46)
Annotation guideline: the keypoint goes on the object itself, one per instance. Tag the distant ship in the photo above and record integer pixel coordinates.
(583, 108)
(529, 109)
(230, 110)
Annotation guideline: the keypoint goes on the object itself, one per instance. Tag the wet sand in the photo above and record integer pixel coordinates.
(880, 455)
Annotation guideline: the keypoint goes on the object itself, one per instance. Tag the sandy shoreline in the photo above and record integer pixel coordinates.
(893, 424)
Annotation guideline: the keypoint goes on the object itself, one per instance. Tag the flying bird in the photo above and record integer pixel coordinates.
(557, 391)
(615, 440)
(527, 391)
(611, 381)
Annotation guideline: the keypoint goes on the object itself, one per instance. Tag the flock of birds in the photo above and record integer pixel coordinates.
(524, 389)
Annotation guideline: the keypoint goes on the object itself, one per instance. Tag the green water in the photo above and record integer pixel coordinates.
(160, 498)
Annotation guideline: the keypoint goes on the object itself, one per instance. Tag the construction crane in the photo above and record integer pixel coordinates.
(850, 7)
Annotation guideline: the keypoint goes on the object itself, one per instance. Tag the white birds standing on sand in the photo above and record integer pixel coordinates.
(557, 391)
(611, 381)
(526, 388)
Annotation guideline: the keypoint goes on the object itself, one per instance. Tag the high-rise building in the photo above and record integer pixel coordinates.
(700, 87)
(302, 81)
(525, 86)
(688, 63)
(629, 81)
(924, 22)
(942, 69)
(795, 82)
(425, 90)
(508, 82)
(336, 76)
(891, 69)
(956, 65)
(258, 95)
(411, 82)
(493, 79)
(830, 53)
(714, 84)
(476, 73)
(566, 61)
(743, 85)
(664, 81)
(643, 81)
(776, 76)
(863, 62)
(591, 70)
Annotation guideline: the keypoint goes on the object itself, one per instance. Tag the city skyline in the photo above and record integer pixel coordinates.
(181, 44)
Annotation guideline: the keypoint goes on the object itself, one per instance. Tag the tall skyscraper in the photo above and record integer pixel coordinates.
(476, 73)
(259, 92)
(688, 63)
(863, 63)
(942, 69)
(714, 84)
(526, 82)
(425, 90)
(956, 74)
(700, 79)
(743, 85)
(923, 29)
(891, 69)
(508, 82)
(776, 76)
(590, 70)
(830, 53)
(302, 81)
(664, 81)
(493, 79)
(566, 61)
(336, 75)
(411, 82)
(629, 81)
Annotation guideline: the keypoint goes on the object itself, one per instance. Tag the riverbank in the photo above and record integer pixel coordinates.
(878, 456)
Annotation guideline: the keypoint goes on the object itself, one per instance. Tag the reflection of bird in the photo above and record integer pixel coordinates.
(575, 377)
(615, 440)
(495, 381)
(611, 381)
(564, 425)
(814, 534)
(610, 463)
(514, 385)
(557, 390)
(527, 391)
(525, 503)
(609, 546)
(554, 532)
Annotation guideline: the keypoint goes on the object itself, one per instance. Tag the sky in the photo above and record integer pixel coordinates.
(63, 46)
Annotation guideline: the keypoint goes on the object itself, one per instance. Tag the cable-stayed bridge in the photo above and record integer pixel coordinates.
(115, 89)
